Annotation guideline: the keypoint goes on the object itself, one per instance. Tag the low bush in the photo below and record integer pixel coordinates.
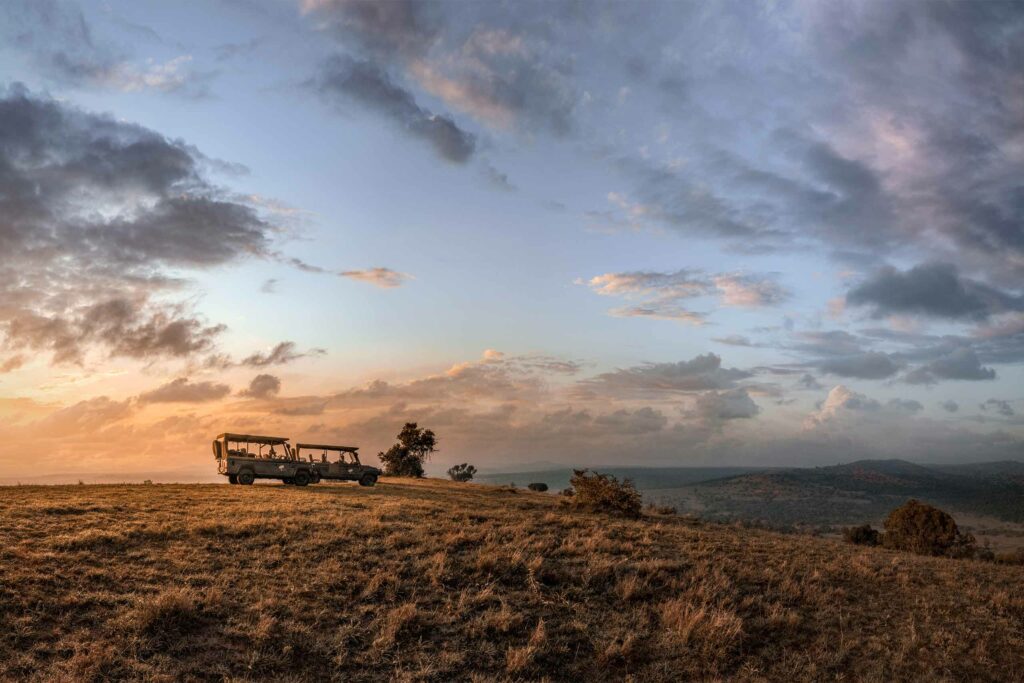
(926, 530)
(540, 487)
(862, 535)
(605, 493)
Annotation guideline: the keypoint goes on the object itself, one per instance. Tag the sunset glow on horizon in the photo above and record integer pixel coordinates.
(557, 234)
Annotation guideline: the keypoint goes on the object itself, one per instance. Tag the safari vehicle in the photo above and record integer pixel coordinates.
(244, 458)
(345, 467)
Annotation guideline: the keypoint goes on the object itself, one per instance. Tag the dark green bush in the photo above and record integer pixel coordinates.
(538, 486)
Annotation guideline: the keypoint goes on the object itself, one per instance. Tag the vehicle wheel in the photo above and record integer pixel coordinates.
(367, 480)
(301, 478)
(232, 479)
(246, 478)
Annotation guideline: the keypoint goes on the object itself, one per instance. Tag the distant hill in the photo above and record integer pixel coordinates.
(645, 478)
(864, 491)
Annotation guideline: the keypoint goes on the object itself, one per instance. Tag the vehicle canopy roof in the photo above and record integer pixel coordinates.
(252, 438)
(322, 447)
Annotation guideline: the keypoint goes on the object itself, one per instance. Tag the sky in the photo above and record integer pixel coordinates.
(556, 233)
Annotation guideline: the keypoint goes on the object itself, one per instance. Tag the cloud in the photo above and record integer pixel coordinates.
(950, 406)
(282, 353)
(301, 408)
(501, 76)
(961, 364)
(344, 79)
(870, 365)
(750, 291)
(61, 44)
(384, 278)
(262, 386)
(932, 289)
(95, 215)
(1000, 406)
(807, 381)
(181, 390)
(734, 340)
(701, 373)
(844, 406)
(661, 294)
(83, 418)
(734, 404)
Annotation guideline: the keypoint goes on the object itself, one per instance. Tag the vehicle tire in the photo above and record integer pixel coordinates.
(232, 479)
(246, 477)
(367, 480)
(301, 478)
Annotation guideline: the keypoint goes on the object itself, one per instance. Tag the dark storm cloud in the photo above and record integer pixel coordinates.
(93, 211)
(262, 386)
(182, 390)
(365, 83)
(932, 289)
(870, 365)
(962, 364)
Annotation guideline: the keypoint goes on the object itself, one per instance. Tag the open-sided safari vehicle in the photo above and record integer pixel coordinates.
(244, 458)
(344, 466)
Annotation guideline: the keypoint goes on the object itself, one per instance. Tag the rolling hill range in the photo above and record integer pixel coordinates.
(426, 580)
(864, 491)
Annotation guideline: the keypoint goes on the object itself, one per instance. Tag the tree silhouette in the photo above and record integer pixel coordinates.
(406, 458)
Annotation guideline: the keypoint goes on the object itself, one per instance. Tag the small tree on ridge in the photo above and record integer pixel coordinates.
(463, 472)
(406, 458)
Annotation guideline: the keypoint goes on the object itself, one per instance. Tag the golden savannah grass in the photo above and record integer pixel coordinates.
(436, 581)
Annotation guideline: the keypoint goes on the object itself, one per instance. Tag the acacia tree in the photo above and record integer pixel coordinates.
(406, 458)
(463, 472)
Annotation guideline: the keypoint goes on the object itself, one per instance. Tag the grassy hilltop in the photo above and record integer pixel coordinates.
(428, 580)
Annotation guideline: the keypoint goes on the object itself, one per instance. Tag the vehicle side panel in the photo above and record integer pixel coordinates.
(262, 468)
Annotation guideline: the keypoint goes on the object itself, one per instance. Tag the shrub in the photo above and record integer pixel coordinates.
(605, 493)
(405, 458)
(461, 472)
(861, 535)
(539, 486)
(654, 509)
(926, 530)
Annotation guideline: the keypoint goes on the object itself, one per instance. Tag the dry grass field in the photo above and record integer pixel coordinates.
(428, 580)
